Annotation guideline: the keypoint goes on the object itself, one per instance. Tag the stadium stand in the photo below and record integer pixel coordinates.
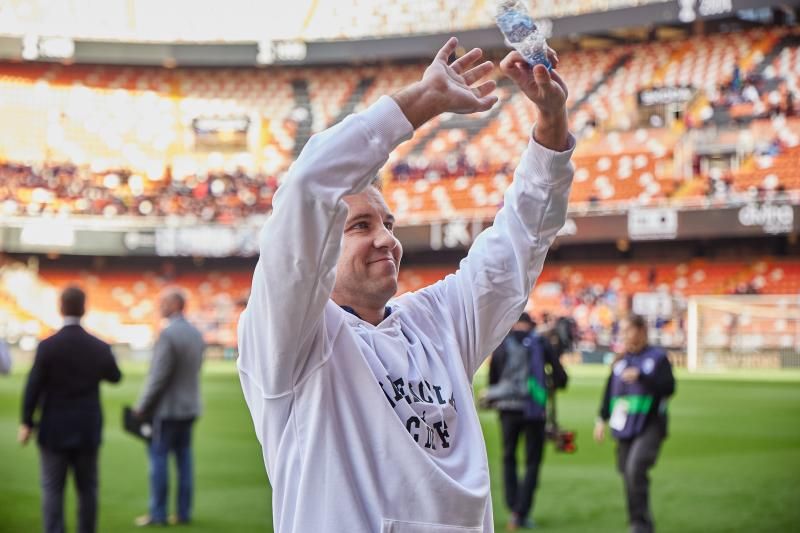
(130, 132)
(124, 301)
(210, 145)
(217, 196)
(773, 166)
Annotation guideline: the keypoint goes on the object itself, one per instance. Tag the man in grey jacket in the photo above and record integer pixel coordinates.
(171, 398)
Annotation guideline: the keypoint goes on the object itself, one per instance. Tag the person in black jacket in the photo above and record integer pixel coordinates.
(634, 406)
(64, 383)
(521, 371)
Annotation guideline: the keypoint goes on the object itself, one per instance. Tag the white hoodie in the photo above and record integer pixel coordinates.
(373, 428)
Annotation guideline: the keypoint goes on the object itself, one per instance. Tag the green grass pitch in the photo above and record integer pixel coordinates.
(732, 462)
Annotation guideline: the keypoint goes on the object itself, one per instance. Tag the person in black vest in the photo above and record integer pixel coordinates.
(64, 382)
(635, 408)
(518, 389)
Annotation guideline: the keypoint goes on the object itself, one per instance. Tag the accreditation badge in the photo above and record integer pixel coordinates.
(619, 416)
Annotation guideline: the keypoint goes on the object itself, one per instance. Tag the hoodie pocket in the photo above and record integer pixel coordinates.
(398, 526)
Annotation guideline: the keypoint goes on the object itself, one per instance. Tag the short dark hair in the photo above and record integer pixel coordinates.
(177, 295)
(180, 299)
(526, 318)
(637, 321)
(73, 301)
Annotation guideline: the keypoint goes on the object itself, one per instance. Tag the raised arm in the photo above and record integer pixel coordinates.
(300, 245)
(279, 338)
(491, 288)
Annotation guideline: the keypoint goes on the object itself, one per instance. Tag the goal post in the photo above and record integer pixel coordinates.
(743, 332)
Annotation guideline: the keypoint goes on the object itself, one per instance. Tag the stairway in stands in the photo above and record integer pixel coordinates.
(786, 41)
(355, 98)
(302, 100)
(615, 66)
(471, 124)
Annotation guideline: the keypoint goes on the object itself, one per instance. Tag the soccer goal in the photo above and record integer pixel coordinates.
(747, 331)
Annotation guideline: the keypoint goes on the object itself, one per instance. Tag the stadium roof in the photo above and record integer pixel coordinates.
(253, 32)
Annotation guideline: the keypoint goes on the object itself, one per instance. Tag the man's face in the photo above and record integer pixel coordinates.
(523, 326)
(633, 338)
(366, 273)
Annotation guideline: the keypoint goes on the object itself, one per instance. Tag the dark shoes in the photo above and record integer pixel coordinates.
(515, 523)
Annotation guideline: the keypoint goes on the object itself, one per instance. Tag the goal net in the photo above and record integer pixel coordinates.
(747, 331)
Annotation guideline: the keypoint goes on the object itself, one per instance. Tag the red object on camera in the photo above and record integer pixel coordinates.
(564, 441)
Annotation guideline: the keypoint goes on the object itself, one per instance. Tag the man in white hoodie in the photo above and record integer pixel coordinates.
(363, 406)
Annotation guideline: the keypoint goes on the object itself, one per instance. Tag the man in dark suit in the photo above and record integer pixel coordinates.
(64, 381)
(171, 397)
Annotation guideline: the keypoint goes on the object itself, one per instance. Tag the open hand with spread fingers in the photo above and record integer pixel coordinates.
(456, 87)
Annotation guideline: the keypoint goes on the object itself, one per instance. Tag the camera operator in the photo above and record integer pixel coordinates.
(518, 389)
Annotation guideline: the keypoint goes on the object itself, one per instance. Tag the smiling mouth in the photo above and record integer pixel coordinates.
(389, 259)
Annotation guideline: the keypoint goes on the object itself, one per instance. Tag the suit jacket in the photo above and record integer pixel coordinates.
(172, 388)
(64, 381)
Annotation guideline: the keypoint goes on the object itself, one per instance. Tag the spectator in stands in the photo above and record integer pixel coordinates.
(745, 288)
(79, 191)
(652, 278)
(171, 398)
(788, 103)
(361, 403)
(750, 93)
(522, 370)
(64, 383)
(635, 408)
(736, 79)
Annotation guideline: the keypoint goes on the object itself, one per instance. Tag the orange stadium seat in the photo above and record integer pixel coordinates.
(128, 132)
